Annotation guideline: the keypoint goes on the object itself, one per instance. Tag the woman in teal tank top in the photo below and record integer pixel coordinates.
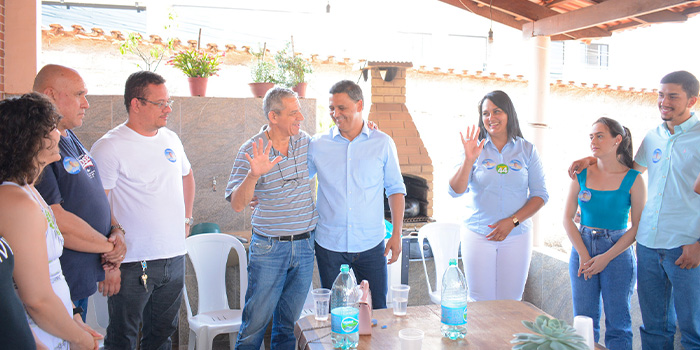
(602, 263)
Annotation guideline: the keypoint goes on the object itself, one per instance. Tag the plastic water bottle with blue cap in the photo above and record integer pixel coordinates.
(453, 303)
(345, 310)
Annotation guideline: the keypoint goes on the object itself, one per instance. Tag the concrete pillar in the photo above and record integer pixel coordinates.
(22, 44)
(539, 91)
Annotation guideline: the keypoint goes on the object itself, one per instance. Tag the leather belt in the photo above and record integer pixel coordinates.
(291, 238)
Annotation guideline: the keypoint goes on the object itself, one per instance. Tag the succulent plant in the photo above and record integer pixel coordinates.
(552, 334)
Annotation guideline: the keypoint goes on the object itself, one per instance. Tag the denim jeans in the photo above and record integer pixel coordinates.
(615, 284)
(84, 304)
(279, 276)
(663, 285)
(369, 265)
(156, 308)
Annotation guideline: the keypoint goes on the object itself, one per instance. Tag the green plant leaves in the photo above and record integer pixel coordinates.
(552, 334)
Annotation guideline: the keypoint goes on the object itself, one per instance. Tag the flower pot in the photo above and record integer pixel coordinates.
(300, 89)
(198, 86)
(260, 89)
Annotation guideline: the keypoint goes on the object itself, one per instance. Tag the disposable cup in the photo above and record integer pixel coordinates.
(400, 298)
(411, 338)
(584, 328)
(321, 298)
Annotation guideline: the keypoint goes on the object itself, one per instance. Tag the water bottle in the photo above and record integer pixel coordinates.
(453, 303)
(345, 311)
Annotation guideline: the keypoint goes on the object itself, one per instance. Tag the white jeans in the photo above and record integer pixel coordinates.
(496, 270)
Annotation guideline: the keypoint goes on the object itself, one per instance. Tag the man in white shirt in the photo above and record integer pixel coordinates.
(149, 182)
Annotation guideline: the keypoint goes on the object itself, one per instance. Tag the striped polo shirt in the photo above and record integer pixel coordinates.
(286, 205)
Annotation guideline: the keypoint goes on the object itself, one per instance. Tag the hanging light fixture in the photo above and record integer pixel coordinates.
(490, 39)
(328, 7)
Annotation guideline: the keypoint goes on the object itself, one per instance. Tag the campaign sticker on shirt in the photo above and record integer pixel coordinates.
(657, 155)
(88, 165)
(71, 165)
(502, 169)
(488, 163)
(584, 196)
(515, 165)
(170, 155)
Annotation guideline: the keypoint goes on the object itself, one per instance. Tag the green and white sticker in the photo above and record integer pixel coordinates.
(502, 169)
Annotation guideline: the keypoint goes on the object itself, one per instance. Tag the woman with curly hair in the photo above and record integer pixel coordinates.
(28, 142)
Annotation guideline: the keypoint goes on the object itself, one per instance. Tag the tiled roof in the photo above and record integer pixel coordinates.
(56, 31)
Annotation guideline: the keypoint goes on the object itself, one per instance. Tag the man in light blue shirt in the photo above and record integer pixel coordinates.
(354, 166)
(668, 251)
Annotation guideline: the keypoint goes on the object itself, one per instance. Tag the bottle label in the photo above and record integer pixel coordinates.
(454, 316)
(345, 320)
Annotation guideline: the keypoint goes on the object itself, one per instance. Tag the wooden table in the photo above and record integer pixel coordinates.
(491, 327)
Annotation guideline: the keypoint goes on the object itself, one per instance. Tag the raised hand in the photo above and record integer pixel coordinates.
(260, 162)
(471, 144)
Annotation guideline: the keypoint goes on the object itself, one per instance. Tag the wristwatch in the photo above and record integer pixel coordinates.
(78, 310)
(516, 222)
(189, 221)
(119, 226)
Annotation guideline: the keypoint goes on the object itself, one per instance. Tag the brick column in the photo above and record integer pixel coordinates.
(390, 113)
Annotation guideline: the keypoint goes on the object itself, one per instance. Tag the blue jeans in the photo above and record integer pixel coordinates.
(663, 285)
(279, 277)
(615, 284)
(369, 265)
(156, 308)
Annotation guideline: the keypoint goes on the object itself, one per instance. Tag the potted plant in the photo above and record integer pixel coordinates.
(552, 334)
(198, 66)
(263, 73)
(293, 68)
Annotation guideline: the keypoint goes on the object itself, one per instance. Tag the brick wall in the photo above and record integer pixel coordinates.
(389, 111)
(2, 49)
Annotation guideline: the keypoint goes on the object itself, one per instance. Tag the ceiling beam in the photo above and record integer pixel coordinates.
(611, 10)
(664, 16)
(483, 11)
(520, 8)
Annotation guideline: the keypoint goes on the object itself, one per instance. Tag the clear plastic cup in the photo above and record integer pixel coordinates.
(321, 298)
(584, 327)
(411, 338)
(399, 297)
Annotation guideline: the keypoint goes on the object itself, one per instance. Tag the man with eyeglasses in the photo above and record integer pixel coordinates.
(149, 182)
(73, 189)
(272, 166)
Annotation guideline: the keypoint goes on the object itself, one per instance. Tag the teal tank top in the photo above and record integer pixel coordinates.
(606, 209)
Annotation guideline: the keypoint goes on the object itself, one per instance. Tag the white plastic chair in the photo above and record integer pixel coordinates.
(98, 315)
(209, 253)
(393, 276)
(444, 242)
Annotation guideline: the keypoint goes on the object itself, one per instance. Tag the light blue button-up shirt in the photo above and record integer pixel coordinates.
(501, 183)
(352, 177)
(671, 216)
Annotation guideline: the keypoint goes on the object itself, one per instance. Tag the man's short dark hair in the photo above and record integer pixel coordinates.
(686, 80)
(136, 85)
(24, 124)
(346, 86)
(273, 100)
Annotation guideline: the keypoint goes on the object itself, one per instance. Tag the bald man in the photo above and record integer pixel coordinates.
(73, 189)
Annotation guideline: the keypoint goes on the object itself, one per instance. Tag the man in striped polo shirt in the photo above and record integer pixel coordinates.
(272, 166)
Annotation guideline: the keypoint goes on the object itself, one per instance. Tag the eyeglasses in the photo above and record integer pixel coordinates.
(160, 104)
(297, 176)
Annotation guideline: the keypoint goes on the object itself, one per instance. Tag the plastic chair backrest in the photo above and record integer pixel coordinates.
(205, 227)
(209, 253)
(444, 242)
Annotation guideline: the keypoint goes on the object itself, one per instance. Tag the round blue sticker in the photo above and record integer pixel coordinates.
(71, 165)
(515, 165)
(488, 163)
(657, 155)
(584, 196)
(170, 155)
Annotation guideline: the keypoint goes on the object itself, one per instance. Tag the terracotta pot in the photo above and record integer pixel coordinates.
(260, 89)
(198, 86)
(300, 89)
